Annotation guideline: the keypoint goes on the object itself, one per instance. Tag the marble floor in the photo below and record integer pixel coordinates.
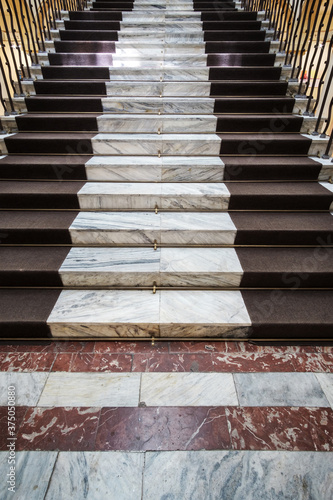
(222, 420)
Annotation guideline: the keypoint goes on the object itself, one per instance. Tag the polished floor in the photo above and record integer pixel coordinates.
(178, 420)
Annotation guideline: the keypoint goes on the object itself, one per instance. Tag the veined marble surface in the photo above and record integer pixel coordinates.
(137, 48)
(144, 227)
(132, 144)
(144, 196)
(162, 37)
(118, 313)
(154, 123)
(154, 169)
(152, 61)
(28, 387)
(124, 168)
(200, 267)
(167, 26)
(97, 475)
(227, 475)
(115, 228)
(152, 144)
(137, 90)
(111, 267)
(112, 313)
(326, 168)
(238, 475)
(33, 470)
(204, 313)
(279, 389)
(188, 89)
(188, 389)
(326, 382)
(91, 389)
(185, 73)
(165, 105)
(144, 266)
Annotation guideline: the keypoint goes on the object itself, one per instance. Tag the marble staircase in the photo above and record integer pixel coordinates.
(160, 180)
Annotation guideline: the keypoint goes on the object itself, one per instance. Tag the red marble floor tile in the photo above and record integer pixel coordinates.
(172, 363)
(281, 428)
(20, 411)
(203, 347)
(27, 347)
(27, 361)
(276, 348)
(252, 362)
(85, 362)
(64, 429)
(328, 360)
(172, 428)
(314, 362)
(327, 349)
(73, 346)
(130, 347)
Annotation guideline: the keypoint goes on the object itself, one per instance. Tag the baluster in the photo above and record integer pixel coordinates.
(14, 63)
(315, 52)
(299, 31)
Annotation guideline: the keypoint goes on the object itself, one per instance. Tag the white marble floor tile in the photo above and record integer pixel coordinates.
(238, 475)
(188, 389)
(197, 228)
(97, 475)
(200, 267)
(190, 144)
(130, 123)
(28, 387)
(279, 389)
(124, 168)
(91, 389)
(128, 144)
(194, 88)
(111, 267)
(203, 313)
(33, 470)
(194, 196)
(192, 169)
(119, 195)
(115, 228)
(134, 89)
(114, 313)
(326, 382)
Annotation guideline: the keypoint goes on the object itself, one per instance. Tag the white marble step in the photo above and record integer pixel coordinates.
(159, 105)
(154, 123)
(160, 37)
(153, 169)
(148, 61)
(148, 196)
(161, 17)
(164, 73)
(141, 267)
(165, 27)
(154, 144)
(155, 87)
(140, 313)
(139, 49)
(145, 228)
